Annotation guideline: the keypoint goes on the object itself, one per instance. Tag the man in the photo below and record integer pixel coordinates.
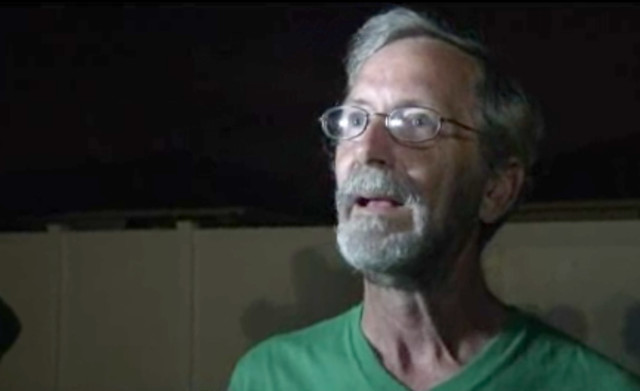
(433, 148)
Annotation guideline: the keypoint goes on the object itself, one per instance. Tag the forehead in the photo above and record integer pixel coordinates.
(418, 70)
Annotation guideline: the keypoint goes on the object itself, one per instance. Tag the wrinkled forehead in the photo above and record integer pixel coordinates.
(423, 69)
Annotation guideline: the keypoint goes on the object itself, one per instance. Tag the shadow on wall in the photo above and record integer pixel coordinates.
(10, 327)
(562, 317)
(620, 315)
(322, 290)
(631, 330)
(569, 319)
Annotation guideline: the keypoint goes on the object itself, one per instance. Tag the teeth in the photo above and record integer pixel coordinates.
(381, 203)
(366, 201)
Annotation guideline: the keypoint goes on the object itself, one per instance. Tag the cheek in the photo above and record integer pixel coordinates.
(426, 175)
(435, 178)
(428, 184)
(341, 164)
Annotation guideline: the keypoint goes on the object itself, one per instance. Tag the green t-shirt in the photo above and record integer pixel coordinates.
(335, 356)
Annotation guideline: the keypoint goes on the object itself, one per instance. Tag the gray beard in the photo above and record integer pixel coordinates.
(374, 244)
(390, 254)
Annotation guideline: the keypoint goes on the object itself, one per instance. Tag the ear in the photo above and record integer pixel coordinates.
(501, 191)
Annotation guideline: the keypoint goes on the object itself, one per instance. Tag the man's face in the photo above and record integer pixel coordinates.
(402, 208)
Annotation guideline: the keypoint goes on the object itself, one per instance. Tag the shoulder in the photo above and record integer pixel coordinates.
(320, 335)
(565, 358)
(294, 351)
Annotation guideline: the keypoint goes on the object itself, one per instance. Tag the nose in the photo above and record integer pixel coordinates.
(375, 146)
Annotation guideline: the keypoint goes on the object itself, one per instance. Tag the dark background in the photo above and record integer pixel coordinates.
(156, 108)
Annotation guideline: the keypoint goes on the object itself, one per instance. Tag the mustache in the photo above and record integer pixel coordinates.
(367, 181)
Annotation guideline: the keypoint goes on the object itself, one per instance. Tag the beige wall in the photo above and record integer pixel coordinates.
(173, 309)
(589, 268)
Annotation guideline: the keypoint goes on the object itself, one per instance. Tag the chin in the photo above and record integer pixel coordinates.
(387, 256)
(377, 247)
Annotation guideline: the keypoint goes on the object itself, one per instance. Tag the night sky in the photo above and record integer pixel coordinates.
(149, 108)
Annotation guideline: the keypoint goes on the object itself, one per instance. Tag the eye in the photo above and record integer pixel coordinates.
(413, 124)
(349, 122)
(419, 119)
(350, 119)
(355, 119)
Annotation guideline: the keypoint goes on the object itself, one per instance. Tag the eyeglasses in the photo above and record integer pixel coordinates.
(406, 124)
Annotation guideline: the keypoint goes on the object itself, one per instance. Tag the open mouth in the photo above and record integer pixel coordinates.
(377, 203)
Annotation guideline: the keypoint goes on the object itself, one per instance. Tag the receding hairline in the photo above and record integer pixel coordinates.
(475, 53)
(422, 27)
(428, 48)
(450, 48)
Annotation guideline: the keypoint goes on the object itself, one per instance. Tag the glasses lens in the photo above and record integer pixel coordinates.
(344, 122)
(414, 124)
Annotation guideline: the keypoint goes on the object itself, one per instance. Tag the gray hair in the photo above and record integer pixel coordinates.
(510, 123)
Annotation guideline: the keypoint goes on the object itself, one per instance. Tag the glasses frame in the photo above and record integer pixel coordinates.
(441, 121)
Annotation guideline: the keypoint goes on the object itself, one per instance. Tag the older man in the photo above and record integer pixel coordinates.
(433, 148)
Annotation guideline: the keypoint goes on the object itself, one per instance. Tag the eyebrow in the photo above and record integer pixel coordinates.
(358, 102)
(401, 103)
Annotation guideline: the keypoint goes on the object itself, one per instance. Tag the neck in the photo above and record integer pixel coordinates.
(424, 336)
